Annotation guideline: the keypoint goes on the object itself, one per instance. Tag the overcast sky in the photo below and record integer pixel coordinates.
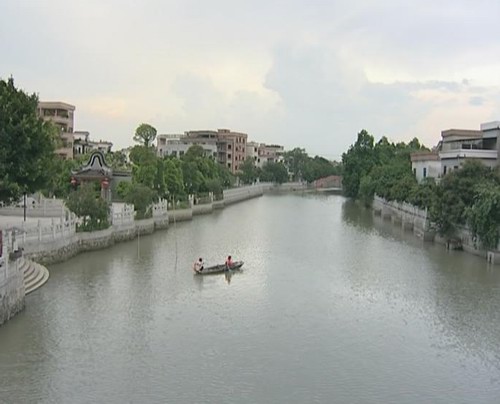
(300, 73)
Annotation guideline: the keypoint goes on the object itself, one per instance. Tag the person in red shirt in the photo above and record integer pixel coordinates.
(229, 262)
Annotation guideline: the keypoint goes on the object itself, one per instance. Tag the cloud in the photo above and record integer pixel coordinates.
(301, 74)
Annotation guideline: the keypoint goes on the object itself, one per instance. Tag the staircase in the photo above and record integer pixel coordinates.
(35, 275)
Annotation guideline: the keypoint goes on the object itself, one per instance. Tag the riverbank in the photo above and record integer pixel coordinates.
(413, 219)
(65, 242)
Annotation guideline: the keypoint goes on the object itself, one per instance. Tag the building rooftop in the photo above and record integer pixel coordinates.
(55, 105)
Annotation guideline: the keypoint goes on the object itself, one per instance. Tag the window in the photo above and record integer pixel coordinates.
(444, 170)
(228, 165)
(455, 167)
(181, 153)
(229, 155)
(425, 172)
(414, 171)
(229, 147)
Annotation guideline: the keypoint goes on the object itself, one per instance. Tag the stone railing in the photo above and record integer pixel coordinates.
(122, 215)
(43, 208)
(43, 232)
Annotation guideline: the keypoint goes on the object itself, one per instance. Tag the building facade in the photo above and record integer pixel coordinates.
(457, 146)
(61, 115)
(426, 165)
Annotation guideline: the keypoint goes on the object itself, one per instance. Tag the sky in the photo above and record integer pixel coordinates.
(308, 74)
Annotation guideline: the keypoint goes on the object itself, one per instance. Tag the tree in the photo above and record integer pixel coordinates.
(249, 172)
(87, 204)
(456, 194)
(26, 143)
(144, 166)
(141, 197)
(358, 161)
(173, 178)
(484, 215)
(145, 134)
(274, 172)
(295, 160)
(117, 160)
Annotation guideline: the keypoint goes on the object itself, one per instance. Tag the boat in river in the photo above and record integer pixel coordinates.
(217, 269)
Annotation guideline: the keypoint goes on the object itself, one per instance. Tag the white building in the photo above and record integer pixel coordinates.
(456, 146)
(178, 145)
(426, 165)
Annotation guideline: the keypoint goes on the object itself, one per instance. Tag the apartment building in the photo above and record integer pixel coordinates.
(231, 149)
(262, 153)
(178, 144)
(271, 153)
(252, 152)
(62, 115)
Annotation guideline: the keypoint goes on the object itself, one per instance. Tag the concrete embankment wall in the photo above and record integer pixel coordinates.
(11, 288)
(63, 248)
(409, 217)
(414, 219)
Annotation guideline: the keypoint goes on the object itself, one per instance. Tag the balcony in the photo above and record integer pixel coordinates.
(469, 154)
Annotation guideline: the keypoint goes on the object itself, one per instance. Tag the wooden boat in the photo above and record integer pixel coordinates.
(217, 269)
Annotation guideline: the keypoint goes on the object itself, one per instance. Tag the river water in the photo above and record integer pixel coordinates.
(333, 305)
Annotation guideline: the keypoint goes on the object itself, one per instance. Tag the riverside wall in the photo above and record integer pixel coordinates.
(413, 219)
(12, 292)
(63, 242)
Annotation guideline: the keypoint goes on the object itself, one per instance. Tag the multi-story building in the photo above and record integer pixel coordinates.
(62, 115)
(80, 143)
(272, 153)
(101, 145)
(262, 153)
(83, 145)
(253, 152)
(178, 145)
(231, 149)
(456, 146)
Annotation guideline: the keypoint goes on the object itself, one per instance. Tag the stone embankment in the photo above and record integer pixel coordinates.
(411, 218)
(59, 241)
(55, 240)
(12, 289)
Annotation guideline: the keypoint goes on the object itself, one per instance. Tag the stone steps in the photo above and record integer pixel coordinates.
(35, 275)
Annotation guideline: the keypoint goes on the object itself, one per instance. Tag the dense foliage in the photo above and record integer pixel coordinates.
(465, 198)
(26, 143)
(87, 204)
(381, 168)
(304, 168)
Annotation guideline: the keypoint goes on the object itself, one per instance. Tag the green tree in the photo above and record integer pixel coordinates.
(117, 160)
(296, 160)
(248, 172)
(274, 172)
(173, 178)
(357, 162)
(145, 134)
(144, 166)
(366, 190)
(26, 143)
(87, 204)
(141, 197)
(456, 194)
(484, 215)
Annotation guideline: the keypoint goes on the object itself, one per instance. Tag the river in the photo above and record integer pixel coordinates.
(333, 306)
